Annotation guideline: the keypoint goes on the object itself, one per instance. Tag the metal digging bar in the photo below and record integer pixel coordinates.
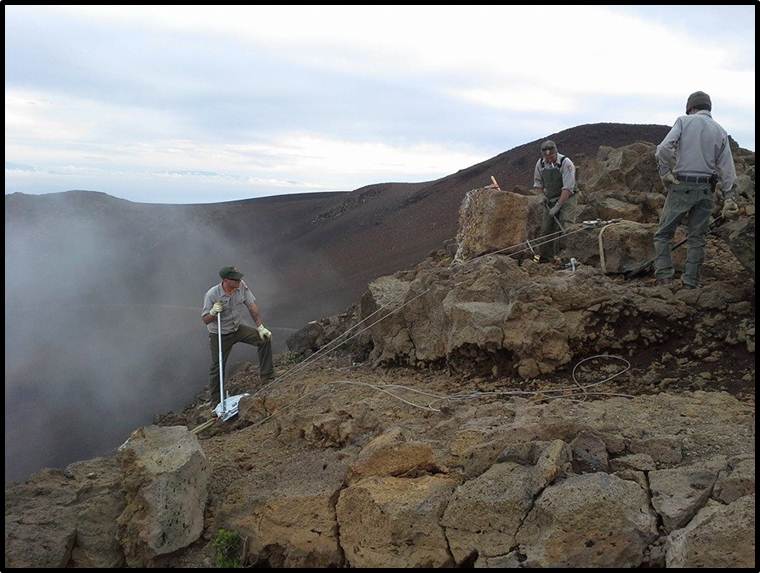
(647, 267)
(227, 407)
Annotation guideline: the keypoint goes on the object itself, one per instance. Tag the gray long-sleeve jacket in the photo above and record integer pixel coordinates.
(697, 145)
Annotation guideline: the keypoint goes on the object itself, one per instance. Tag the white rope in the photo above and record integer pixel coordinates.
(313, 358)
(602, 262)
(566, 393)
(627, 367)
(378, 387)
(302, 365)
(382, 388)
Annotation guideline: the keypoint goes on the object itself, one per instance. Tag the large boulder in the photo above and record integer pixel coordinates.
(65, 518)
(611, 208)
(620, 246)
(495, 314)
(392, 454)
(485, 513)
(166, 481)
(589, 454)
(663, 429)
(40, 531)
(736, 480)
(308, 339)
(623, 183)
(100, 502)
(288, 512)
(719, 536)
(597, 520)
(395, 522)
(498, 315)
(491, 219)
(740, 236)
(384, 296)
(678, 493)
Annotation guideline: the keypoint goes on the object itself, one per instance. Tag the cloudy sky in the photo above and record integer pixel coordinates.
(205, 104)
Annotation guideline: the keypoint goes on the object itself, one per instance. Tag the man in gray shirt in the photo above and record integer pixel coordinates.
(692, 158)
(228, 299)
(555, 176)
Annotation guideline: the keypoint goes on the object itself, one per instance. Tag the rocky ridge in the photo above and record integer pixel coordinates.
(482, 429)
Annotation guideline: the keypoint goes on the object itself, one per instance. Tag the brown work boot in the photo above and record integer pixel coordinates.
(212, 397)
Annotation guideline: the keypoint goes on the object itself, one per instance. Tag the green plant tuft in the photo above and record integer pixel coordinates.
(227, 549)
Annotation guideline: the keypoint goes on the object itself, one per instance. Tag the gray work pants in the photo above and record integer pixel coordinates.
(690, 203)
(244, 334)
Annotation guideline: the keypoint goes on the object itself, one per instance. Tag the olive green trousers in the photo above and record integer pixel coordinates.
(692, 204)
(247, 335)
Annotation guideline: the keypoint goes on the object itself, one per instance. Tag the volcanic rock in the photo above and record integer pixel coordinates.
(166, 483)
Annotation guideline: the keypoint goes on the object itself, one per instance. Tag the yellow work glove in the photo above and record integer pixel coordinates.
(730, 209)
(217, 308)
(669, 179)
(264, 333)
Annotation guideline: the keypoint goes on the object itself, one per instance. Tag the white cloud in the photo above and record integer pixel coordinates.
(56, 135)
(519, 99)
(33, 115)
(541, 68)
(561, 52)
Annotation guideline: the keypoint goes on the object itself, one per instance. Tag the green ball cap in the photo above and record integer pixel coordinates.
(230, 273)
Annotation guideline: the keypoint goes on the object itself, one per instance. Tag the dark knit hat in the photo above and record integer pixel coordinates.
(698, 99)
(230, 273)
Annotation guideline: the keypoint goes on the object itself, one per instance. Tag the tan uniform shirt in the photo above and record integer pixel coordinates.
(235, 306)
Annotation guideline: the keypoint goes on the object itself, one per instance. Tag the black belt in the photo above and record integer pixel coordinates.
(694, 178)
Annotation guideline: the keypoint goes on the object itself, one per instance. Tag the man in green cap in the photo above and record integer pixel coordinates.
(228, 299)
(555, 176)
(692, 158)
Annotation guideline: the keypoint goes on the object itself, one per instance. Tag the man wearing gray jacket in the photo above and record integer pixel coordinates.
(692, 158)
